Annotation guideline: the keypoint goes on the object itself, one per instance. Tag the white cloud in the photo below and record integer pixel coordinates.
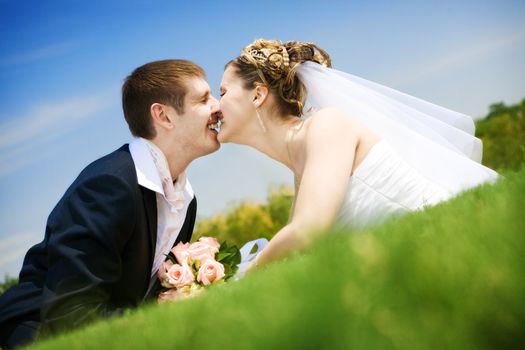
(42, 53)
(14, 247)
(21, 135)
(459, 58)
(47, 116)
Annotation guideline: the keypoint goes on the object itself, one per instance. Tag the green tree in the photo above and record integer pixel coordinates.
(503, 134)
(7, 283)
(247, 220)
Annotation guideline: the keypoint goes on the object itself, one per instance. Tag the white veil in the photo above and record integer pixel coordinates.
(438, 142)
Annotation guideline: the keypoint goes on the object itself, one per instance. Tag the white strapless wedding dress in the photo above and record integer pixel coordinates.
(384, 185)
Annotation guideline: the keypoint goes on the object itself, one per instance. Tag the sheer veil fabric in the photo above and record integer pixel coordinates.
(436, 141)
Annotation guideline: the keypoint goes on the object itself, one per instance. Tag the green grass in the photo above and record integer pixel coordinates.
(449, 277)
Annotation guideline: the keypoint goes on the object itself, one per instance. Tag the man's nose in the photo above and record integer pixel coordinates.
(214, 104)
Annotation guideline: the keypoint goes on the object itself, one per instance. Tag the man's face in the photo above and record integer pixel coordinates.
(201, 110)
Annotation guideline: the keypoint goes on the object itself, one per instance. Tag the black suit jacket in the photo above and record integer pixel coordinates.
(96, 257)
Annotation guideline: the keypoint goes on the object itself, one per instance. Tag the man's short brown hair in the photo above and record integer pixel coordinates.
(155, 82)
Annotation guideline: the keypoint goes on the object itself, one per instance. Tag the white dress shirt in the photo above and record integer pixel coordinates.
(173, 199)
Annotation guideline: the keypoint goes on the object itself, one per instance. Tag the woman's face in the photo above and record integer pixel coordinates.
(237, 107)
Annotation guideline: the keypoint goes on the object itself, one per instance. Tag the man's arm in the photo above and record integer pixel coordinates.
(87, 232)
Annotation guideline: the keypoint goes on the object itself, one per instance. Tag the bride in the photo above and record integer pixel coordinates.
(366, 153)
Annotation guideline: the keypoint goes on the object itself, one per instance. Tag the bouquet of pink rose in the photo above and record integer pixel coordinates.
(196, 265)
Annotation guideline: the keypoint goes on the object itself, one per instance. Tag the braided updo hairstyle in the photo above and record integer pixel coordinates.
(274, 64)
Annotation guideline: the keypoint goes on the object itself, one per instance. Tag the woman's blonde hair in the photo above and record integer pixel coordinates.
(274, 64)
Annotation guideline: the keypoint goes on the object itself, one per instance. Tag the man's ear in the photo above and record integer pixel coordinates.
(260, 95)
(160, 116)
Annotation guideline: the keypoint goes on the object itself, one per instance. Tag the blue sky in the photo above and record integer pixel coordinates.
(62, 64)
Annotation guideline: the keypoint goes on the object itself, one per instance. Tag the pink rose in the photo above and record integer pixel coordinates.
(170, 294)
(163, 273)
(210, 271)
(201, 251)
(183, 293)
(211, 242)
(180, 275)
(181, 252)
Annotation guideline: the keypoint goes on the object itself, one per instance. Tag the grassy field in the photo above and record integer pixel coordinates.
(452, 276)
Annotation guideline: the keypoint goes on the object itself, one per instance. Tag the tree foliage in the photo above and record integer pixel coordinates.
(249, 220)
(503, 136)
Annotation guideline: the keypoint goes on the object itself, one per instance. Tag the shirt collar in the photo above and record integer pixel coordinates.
(152, 168)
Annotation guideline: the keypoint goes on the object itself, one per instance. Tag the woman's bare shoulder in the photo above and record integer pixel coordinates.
(331, 121)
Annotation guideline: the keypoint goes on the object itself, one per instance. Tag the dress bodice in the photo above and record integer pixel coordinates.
(384, 185)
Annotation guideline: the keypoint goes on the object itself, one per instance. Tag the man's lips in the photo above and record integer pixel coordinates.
(215, 126)
(215, 122)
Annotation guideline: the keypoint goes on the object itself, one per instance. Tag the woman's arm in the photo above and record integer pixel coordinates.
(331, 142)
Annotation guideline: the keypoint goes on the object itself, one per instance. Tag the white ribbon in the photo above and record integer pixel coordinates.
(247, 257)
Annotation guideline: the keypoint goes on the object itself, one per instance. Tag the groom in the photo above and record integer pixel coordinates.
(109, 233)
